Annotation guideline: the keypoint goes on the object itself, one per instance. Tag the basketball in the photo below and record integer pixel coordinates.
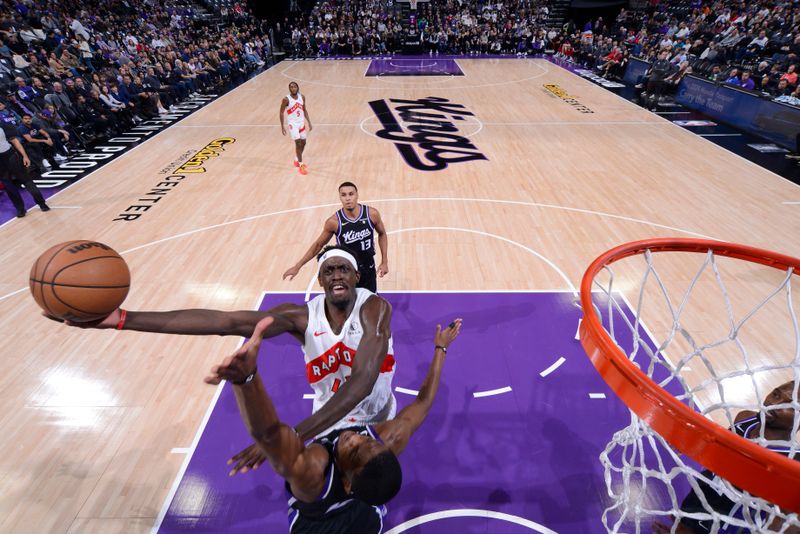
(80, 281)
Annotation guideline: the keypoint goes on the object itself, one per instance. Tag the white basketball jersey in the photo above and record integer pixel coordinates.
(295, 111)
(329, 363)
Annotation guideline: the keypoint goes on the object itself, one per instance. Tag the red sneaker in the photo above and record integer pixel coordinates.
(296, 163)
(303, 169)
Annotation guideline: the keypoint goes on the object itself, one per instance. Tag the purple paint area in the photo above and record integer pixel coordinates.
(531, 453)
(429, 66)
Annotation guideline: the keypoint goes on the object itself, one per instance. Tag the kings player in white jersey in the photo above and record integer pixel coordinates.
(294, 109)
(345, 335)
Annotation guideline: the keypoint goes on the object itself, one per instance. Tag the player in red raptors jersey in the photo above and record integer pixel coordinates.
(295, 109)
(354, 226)
(345, 335)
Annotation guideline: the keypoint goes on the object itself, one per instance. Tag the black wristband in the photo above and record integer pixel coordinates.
(249, 378)
(444, 349)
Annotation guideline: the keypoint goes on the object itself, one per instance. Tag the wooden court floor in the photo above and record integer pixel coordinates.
(96, 424)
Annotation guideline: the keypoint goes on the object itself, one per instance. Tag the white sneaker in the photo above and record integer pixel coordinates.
(162, 111)
(59, 158)
(173, 109)
(46, 164)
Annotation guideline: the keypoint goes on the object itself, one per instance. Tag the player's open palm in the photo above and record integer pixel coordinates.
(111, 321)
(247, 459)
(444, 337)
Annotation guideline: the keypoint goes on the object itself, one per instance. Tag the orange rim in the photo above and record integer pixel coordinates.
(769, 475)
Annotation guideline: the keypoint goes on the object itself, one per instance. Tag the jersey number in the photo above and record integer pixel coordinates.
(337, 383)
(366, 245)
(298, 113)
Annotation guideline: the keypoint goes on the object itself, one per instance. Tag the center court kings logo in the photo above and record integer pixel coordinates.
(429, 133)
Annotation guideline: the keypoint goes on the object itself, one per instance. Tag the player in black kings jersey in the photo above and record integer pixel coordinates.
(338, 483)
(354, 227)
(778, 428)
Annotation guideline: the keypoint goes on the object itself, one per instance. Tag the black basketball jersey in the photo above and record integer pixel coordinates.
(358, 234)
(335, 510)
(718, 501)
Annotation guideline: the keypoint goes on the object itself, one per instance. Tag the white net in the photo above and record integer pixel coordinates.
(721, 335)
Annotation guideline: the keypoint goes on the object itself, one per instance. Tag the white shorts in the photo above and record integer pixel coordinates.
(297, 131)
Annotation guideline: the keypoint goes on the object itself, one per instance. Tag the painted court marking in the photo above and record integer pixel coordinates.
(406, 391)
(561, 273)
(558, 363)
(470, 512)
(597, 395)
(417, 199)
(190, 451)
(491, 392)
(542, 66)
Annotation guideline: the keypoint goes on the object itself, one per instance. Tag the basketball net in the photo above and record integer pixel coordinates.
(704, 349)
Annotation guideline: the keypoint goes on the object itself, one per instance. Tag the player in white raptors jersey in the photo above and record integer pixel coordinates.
(294, 108)
(329, 363)
(367, 362)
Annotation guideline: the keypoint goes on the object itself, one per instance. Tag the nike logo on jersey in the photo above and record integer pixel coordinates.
(317, 334)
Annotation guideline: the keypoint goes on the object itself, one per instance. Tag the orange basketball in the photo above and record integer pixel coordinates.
(80, 281)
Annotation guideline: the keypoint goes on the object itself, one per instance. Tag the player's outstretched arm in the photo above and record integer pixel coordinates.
(303, 468)
(330, 227)
(376, 318)
(398, 431)
(289, 318)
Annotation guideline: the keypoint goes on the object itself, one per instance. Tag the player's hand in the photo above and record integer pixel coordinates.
(246, 460)
(242, 363)
(109, 322)
(445, 337)
(383, 269)
(283, 130)
(310, 127)
(25, 161)
(291, 273)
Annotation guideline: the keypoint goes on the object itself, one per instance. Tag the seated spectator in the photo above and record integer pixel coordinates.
(98, 123)
(793, 98)
(790, 76)
(733, 77)
(38, 143)
(9, 116)
(746, 82)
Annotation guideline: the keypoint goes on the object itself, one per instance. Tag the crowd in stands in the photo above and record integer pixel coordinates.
(75, 72)
(753, 44)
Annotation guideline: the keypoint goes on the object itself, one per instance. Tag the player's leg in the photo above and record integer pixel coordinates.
(368, 279)
(301, 145)
(10, 189)
(24, 177)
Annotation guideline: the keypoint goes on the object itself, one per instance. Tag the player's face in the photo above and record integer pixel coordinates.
(293, 88)
(784, 417)
(354, 451)
(338, 278)
(349, 197)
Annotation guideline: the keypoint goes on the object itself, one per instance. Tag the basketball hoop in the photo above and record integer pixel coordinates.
(413, 3)
(750, 470)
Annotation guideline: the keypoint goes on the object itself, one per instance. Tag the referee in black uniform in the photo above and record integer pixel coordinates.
(355, 226)
(14, 165)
